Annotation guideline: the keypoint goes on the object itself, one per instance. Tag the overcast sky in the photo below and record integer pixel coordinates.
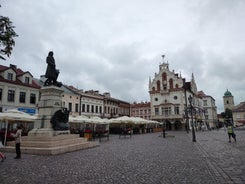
(116, 45)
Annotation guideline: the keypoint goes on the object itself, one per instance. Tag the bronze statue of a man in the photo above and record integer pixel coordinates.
(51, 72)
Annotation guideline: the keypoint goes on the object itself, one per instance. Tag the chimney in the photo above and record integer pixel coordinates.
(12, 66)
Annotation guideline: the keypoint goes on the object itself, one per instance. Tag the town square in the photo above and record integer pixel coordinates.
(127, 92)
(143, 158)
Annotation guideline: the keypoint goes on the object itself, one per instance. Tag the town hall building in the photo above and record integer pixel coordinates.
(172, 99)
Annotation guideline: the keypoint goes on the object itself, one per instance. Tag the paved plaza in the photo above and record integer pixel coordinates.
(144, 158)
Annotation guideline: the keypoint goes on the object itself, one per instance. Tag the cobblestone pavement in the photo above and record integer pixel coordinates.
(227, 160)
(144, 158)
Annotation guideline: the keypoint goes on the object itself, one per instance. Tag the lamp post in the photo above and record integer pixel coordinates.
(190, 99)
(164, 129)
(187, 120)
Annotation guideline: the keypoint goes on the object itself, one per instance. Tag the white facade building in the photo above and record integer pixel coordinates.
(169, 96)
(18, 90)
(210, 110)
(91, 103)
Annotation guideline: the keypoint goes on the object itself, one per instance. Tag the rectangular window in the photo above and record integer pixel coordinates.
(11, 95)
(27, 80)
(96, 109)
(83, 107)
(92, 109)
(156, 111)
(70, 107)
(76, 106)
(87, 108)
(166, 111)
(1, 93)
(33, 98)
(100, 109)
(176, 110)
(205, 103)
(22, 98)
(10, 76)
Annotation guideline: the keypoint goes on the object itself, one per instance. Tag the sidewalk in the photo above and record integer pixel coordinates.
(144, 158)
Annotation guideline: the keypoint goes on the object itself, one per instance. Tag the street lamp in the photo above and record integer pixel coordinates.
(187, 120)
(190, 99)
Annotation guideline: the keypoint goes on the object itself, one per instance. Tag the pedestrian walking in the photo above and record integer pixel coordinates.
(17, 137)
(2, 156)
(231, 133)
(163, 132)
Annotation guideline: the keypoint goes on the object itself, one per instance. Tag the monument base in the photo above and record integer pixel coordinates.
(45, 142)
(44, 132)
(43, 139)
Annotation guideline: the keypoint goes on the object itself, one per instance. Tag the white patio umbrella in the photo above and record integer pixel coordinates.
(98, 120)
(138, 120)
(122, 120)
(79, 119)
(15, 115)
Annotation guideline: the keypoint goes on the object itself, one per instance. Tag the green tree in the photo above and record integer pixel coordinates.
(7, 35)
(228, 113)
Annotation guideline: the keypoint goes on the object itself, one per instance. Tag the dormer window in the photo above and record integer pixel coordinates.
(10, 76)
(27, 80)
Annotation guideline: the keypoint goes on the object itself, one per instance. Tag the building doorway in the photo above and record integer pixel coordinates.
(177, 125)
(168, 125)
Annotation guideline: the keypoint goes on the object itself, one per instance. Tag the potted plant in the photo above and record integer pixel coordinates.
(88, 133)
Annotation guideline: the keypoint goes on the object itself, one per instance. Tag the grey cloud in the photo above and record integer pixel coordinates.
(116, 45)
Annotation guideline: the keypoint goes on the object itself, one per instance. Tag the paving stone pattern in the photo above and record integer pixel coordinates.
(142, 159)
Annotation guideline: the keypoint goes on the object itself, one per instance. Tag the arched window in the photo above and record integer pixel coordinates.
(164, 76)
(153, 89)
(171, 83)
(176, 86)
(158, 85)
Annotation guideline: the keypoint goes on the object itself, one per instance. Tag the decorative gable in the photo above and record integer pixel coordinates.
(15, 75)
(25, 78)
(9, 74)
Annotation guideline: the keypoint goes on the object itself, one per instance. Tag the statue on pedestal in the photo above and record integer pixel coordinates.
(51, 71)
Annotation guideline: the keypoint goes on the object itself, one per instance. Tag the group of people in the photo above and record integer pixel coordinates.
(17, 137)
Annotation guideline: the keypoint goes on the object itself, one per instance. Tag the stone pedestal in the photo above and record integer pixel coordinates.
(50, 102)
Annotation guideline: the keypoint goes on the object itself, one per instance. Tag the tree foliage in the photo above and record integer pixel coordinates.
(7, 35)
(227, 113)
